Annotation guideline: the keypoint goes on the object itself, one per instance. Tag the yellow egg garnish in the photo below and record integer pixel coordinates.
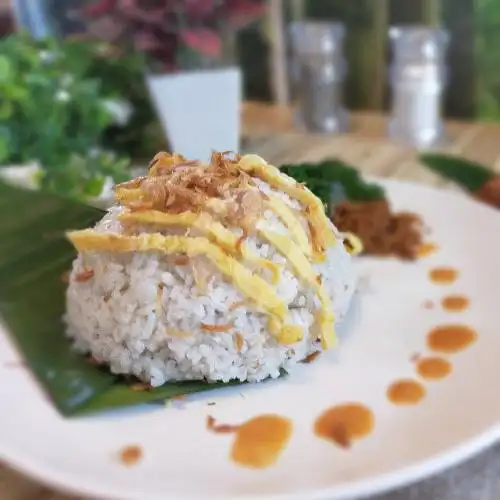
(213, 200)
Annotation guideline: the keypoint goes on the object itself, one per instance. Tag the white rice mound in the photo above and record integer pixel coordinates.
(115, 316)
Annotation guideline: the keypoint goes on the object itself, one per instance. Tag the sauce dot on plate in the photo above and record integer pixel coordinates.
(426, 249)
(260, 441)
(455, 303)
(406, 392)
(443, 275)
(344, 423)
(433, 368)
(131, 455)
(450, 338)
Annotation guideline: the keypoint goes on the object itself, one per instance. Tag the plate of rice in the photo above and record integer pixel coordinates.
(330, 374)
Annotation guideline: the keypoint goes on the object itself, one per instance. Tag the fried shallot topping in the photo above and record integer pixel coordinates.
(175, 185)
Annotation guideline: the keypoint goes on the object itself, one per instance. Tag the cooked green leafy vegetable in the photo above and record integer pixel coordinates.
(469, 175)
(34, 255)
(320, 178)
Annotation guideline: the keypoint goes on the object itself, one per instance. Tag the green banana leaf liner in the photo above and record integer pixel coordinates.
(34, 255)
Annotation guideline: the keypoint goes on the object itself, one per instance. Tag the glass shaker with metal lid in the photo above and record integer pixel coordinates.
(418, 78)
(319, 72)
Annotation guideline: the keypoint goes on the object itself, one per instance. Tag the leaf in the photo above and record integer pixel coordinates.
(320, 178)
(4, 149)
(121, 395)
(93, 187)
(467, 174)
(34, 254)
(5, 69)
(6, 110)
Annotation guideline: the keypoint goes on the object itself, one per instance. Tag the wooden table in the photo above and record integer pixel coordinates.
(268, 131)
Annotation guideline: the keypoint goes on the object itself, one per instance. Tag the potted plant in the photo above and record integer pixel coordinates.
(190, 72)
(53, 118)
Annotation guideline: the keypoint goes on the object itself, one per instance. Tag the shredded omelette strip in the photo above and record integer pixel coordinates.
(291, 222)
(303, 269)
(210, 228)
(354, 244)
(228, 241)
(321, 232)
(254, 287)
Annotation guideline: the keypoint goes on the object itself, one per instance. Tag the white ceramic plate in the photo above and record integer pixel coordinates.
(181, 459)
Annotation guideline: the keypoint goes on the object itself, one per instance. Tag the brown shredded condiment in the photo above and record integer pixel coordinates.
(224, 327)
(311, 357)
(239, 341)
(489, 193)
(381, 231)
(181, 260)
(220, 428)
(84, 276)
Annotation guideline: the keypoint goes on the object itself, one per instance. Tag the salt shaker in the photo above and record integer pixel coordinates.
(319, 71)
(418, 78)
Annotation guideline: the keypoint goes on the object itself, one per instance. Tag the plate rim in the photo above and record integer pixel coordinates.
(376, 484)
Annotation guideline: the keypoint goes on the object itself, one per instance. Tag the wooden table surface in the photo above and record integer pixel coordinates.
(267, 130)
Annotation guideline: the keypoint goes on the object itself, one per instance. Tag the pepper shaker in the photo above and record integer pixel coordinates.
(319, 71)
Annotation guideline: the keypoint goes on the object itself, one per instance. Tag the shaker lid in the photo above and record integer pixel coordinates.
(317, 37)
(419, 43)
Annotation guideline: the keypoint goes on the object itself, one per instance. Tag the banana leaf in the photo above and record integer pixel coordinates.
(34, 255)
(469, 175)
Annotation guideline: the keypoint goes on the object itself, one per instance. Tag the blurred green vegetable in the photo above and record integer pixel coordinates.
(321, 178)
(59, 109)
(469, 175)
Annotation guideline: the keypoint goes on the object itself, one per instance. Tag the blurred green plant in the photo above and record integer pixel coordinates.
(487, 52)
(122, 75)
(60, 109)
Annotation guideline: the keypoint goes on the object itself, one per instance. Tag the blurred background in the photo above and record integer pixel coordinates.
(98, 86)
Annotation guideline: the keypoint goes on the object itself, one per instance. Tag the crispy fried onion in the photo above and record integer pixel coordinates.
(175, 185)
(251, 285)
(221, 328)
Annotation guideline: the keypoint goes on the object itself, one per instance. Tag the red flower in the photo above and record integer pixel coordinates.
(202, 40)
(159, 28)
